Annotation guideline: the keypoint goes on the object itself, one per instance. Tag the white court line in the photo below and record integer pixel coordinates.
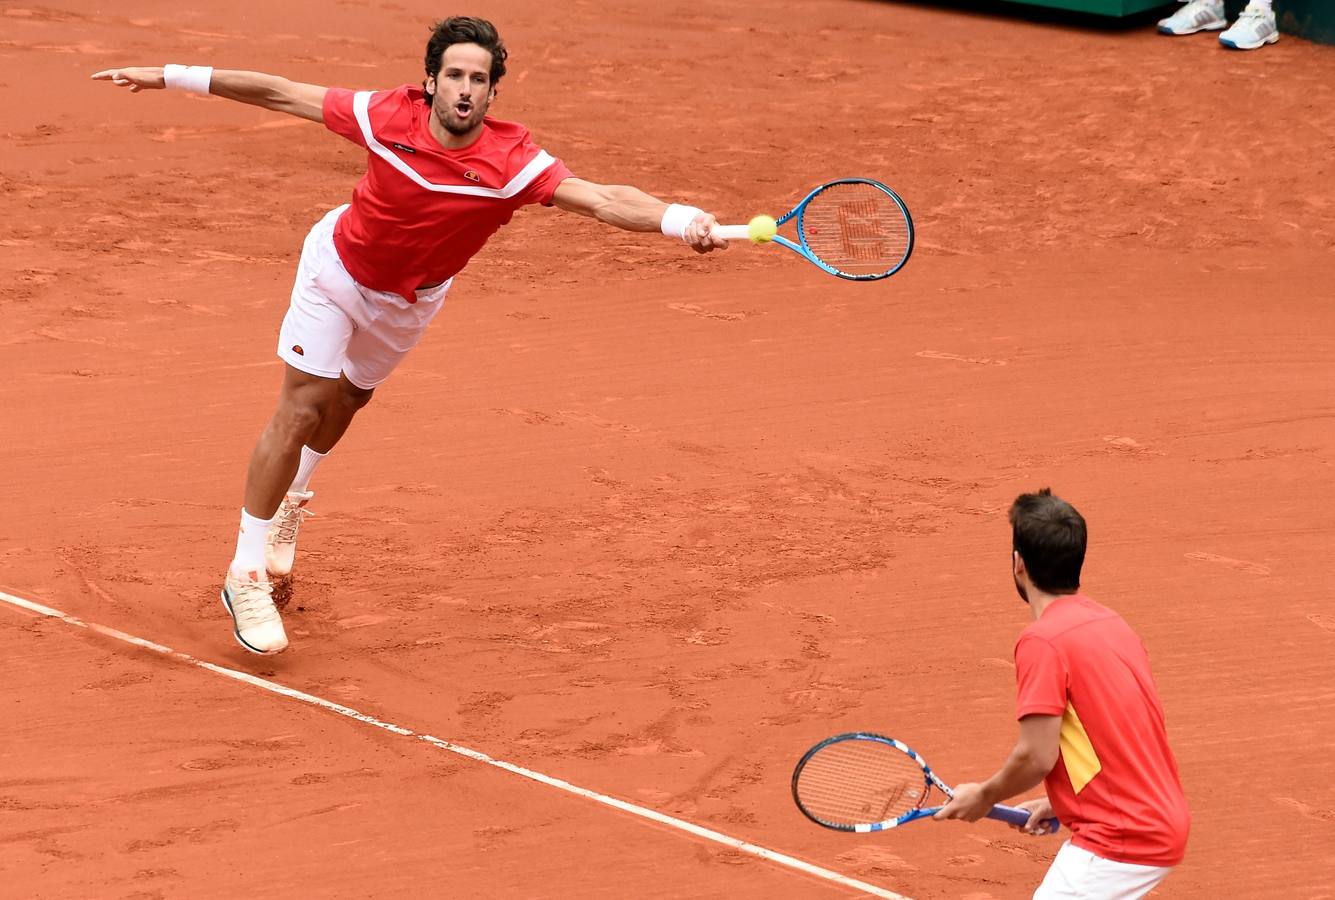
(643, 812)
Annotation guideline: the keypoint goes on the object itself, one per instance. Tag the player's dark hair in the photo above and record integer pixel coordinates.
(1050, 537)
(464, 30)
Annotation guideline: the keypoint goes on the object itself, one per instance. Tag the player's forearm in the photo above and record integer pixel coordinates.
(629, 208)
(633, 210)
(1024, 769)
(268, 91)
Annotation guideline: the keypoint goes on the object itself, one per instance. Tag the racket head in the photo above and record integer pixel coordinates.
(854, 228)
(861, 782)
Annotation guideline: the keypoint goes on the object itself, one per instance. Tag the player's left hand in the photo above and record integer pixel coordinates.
(699, 234)
(1040, 816)
(138, 78)
(970, 804)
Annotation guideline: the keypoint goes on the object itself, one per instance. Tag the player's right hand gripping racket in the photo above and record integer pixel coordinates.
(865, 782)
(853, 228)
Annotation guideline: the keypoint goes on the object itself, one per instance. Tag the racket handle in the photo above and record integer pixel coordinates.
(1015, 816)
(731, 232)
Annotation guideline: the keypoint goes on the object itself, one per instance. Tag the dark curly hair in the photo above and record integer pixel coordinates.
(464, 30)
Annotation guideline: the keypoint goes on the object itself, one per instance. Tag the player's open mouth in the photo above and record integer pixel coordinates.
(463, 108)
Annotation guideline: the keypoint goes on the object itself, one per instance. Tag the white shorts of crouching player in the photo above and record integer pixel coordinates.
(335, 325)
(1077, 874)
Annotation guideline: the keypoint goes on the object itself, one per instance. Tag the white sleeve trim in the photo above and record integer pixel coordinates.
(536, 166)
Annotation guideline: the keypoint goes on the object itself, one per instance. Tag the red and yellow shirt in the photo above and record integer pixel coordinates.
(1115, 784)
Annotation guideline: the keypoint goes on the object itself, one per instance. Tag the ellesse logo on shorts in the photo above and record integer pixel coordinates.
(296, 348)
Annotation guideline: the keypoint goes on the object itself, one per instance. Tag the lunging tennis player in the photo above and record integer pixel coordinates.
(442, 176)
(1091, 725)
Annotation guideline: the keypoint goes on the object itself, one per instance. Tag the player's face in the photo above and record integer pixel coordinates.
(463, 88)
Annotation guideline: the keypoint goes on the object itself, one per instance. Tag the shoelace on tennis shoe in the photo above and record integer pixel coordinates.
(287, 525)
(1200, 10)
(252, 603)
(1251, 13)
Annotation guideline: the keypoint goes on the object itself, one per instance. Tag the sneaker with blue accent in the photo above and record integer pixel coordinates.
(1197, 15)
(1254, 28)
(255, 621)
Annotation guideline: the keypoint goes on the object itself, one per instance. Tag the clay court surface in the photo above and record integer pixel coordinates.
(649, 522)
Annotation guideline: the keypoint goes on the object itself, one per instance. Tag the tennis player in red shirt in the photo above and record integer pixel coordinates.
(1091, 725)
(442, 176)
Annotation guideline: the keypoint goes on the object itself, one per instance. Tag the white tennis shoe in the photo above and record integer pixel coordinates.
(255, 619)
(280, 545)
(1254, 28)
(1198, 15)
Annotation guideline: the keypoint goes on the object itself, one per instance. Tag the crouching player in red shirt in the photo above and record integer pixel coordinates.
(1091, 725)
(442, 176)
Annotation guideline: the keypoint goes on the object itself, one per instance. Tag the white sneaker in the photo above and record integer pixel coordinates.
(1198, 15)
(280, 546)
(255, 620)
(1254, 28)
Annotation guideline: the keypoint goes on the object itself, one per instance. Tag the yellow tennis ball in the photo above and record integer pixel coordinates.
(761, 229)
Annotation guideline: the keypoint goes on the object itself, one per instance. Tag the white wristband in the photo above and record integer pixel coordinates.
(191, 79)
(676, 218)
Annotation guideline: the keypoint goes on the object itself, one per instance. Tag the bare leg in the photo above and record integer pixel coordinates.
(337, 415)
(301, 405)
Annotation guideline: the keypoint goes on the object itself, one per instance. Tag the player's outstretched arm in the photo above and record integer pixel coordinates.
(256, 88)
(631, 209)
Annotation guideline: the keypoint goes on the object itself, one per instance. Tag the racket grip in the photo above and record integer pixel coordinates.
(1015, 816)
(731, 232)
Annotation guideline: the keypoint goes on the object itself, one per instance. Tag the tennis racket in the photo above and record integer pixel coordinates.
(853, 228)
(864, 782)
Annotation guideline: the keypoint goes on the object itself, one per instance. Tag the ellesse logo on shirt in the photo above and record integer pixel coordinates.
(473, 176)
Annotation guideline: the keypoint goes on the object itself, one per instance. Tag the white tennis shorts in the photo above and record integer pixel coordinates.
(335, 325)
(1077, 874)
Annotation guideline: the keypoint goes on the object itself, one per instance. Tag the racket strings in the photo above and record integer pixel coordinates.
(860, 782)
(857, 229)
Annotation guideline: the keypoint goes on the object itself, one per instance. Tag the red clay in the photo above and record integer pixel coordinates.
(650, 522)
